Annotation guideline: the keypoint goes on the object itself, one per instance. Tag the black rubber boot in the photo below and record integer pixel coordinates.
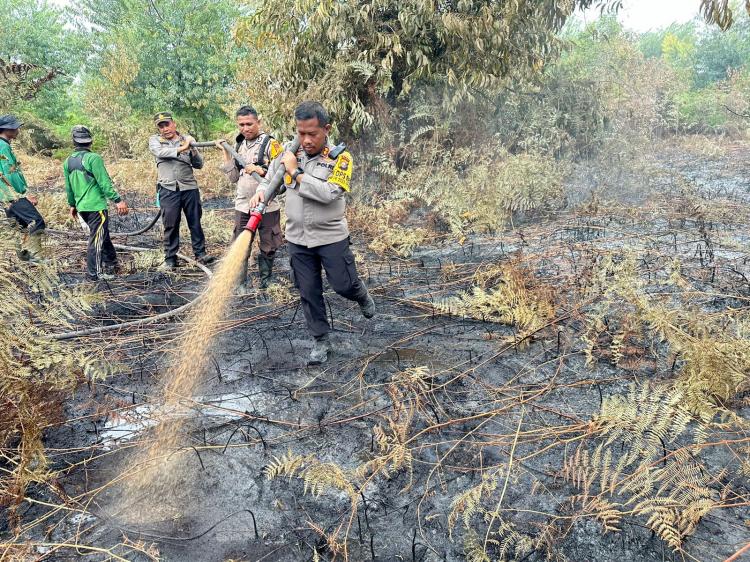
(367, 306)
(265, 270)
(243, 286)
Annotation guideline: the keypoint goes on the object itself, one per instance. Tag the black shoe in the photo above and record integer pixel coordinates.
(205, 259)
(265, 270)
(168, 265)
(367, 306)
(321, 351)
(111, 268)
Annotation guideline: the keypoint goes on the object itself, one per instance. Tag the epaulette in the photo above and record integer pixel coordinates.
(336, 151)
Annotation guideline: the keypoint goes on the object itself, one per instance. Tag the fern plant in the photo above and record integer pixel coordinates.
(35, 372)
(634, 470)
(515, 300)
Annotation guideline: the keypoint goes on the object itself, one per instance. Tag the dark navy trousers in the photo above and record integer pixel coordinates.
(338, 262)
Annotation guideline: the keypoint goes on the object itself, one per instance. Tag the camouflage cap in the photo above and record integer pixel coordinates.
(162, 116)
(9, 122)
(81, 134)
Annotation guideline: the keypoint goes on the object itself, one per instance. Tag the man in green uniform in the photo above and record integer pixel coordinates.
(88, 187)
(19, 208)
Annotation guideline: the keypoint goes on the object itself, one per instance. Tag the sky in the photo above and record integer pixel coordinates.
(642, 15)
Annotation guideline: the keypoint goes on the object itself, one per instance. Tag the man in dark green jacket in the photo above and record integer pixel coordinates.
(88, 187)
(19, 207)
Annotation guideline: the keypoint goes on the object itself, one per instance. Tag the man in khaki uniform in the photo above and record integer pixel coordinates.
(317, 180)
(257, 149)
(178, 189)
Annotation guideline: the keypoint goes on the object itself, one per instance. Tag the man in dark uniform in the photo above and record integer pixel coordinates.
(317, 179)
(257, 149)
(178, 188)
(88, 188)
(19, 207)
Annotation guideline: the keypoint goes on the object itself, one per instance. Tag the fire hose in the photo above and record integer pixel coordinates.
(153, 221)
(272, 189)
(231, 151)
(142, 230)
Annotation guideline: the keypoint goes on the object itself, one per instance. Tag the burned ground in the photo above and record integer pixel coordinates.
(523, 396)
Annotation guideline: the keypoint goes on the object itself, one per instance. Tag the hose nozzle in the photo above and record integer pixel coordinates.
(256, 215)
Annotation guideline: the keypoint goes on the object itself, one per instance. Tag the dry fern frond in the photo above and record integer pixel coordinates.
(468, 503)
(35, 370)
(289, 464)
(631, 461)
(515, 300)
(318, 477)
(397, 240)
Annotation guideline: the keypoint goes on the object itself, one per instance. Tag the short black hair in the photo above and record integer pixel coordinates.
(312, 110)
(246, 110)
(77, 144)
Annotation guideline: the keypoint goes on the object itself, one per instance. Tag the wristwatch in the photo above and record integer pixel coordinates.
(295, 173)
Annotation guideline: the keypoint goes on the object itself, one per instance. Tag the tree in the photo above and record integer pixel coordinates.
(720, 52)
(365, 57)
(164, 54)
(38, 52)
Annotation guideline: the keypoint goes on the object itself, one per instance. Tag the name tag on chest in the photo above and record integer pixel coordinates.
(323, 167)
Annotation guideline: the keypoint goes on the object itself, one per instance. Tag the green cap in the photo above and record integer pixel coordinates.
(162, 116)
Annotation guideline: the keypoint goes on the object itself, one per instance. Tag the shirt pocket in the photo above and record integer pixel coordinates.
(321, 172)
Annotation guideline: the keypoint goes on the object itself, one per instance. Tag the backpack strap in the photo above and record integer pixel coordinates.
(75, 164)
(261, 160)
(336, 151)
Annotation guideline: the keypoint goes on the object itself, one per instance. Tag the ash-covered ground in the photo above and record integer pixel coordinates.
(416, 407)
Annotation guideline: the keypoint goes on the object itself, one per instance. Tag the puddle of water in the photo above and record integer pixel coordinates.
(128, 425)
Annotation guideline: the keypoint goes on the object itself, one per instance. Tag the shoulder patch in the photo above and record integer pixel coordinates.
(275, 149)
(342, 171)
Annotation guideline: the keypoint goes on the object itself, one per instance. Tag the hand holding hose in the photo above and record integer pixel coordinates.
(186, 144)
(289, 160)
(258, 198)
